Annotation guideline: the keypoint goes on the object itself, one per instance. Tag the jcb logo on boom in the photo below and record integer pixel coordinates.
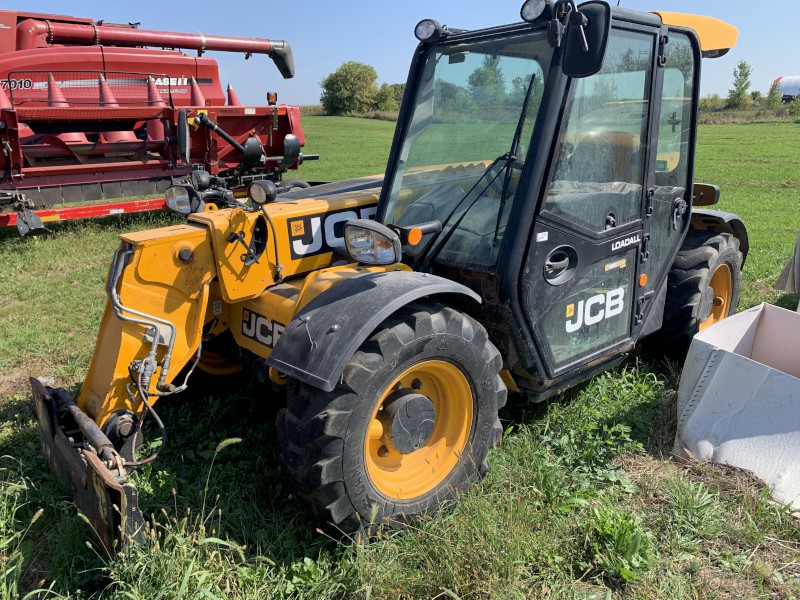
(261, 329)
(595, 309)
(318, 234)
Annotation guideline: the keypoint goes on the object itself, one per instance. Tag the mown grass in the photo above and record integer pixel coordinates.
(348, 147)
(582, 499)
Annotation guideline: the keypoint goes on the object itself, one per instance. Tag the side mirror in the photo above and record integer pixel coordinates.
(183, 137)
(585, 38)
(291, 151)
(183, 199)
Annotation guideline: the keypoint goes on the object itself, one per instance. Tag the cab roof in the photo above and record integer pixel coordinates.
(716, 37)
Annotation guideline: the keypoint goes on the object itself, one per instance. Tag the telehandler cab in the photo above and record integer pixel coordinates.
(537, 218)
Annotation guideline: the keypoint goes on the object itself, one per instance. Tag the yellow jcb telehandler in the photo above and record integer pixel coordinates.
(537, 218)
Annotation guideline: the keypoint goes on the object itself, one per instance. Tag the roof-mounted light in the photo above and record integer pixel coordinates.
(535, 10)
(428, 31)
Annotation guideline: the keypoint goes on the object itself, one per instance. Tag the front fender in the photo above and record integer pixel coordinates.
(316, 346)
(716, 220)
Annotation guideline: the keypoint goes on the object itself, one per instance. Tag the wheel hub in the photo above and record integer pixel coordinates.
(409, 420)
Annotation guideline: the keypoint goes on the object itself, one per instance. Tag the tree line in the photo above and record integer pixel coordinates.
(353, 89)
(740, 96)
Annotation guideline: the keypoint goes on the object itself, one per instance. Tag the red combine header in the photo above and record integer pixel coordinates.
(92, 110)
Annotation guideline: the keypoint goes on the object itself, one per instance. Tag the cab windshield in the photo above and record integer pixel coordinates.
(466, 142)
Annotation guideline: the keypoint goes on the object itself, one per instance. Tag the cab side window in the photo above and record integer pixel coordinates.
(597, 181)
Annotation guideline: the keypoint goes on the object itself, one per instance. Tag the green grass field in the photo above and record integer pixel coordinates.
(583, 499)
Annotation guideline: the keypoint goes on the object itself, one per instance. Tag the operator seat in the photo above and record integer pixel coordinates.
(607, 156)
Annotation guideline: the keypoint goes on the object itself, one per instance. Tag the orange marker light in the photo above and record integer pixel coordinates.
(643, 280)
(415, 236)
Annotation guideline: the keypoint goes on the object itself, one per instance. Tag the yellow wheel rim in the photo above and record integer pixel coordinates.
(218, 364)
(722, 286)
(407, 476)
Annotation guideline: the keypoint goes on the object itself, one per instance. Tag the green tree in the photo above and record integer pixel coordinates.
(350, 88)
(711, 102)
(384, 99)
(487, 83)
(398, 89)
(519, 87)
(739, 96)
(794, 107)
(774, 96)
(454, 104)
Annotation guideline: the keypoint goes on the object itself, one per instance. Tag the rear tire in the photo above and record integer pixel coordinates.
(703, 286)
(337, 447)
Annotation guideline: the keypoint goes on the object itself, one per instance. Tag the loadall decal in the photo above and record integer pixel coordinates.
(317, 234)
(261, 329)
(595, 309)
(619, 244)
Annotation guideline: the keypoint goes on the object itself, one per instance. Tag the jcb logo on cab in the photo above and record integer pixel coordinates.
(317, 234)
(595, 309)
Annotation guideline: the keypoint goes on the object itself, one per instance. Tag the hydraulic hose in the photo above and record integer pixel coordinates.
(118, 267)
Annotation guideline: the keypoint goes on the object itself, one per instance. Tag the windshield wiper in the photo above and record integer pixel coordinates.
(425, 258)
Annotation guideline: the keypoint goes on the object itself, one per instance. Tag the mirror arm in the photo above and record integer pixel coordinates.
(558, 24)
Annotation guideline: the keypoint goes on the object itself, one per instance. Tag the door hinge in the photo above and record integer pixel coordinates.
(640, 304)
(648, 202)
(662, 56)
(645, 252)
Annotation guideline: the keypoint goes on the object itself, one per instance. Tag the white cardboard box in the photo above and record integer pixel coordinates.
(739, 397)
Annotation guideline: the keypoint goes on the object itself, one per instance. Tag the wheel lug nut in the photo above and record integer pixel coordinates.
(416, 384)
(383, 452)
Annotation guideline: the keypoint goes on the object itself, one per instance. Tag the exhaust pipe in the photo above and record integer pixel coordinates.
(39, 34)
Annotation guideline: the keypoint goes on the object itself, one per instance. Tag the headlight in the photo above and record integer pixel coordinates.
(262, 191)
(533, 10)
(371, 243)
(183, 200)
(428, 30)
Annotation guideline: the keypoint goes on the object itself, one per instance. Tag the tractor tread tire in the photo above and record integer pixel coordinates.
(312, 429)
(700, 255)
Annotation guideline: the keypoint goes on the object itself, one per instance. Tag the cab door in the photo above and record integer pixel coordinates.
(579, 285)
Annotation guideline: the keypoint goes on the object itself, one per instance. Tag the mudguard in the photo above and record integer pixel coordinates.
(316, 346)
(716, 220)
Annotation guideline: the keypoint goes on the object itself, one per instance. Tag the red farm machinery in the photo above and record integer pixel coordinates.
(93, 111)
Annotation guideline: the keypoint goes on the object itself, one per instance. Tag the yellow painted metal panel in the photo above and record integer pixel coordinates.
(307, 232)
(714, 35)
(158, 283)
(257, 324)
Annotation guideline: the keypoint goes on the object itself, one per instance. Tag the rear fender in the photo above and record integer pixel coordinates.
(704, 219)
(316, 346)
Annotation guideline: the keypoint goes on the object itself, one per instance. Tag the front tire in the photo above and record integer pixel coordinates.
(703, 285)
(408, 427)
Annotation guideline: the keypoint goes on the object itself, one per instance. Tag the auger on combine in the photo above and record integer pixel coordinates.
(92, 110)
(538, 218)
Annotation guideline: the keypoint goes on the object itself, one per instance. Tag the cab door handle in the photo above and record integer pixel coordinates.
(554, 266)
(560, 265)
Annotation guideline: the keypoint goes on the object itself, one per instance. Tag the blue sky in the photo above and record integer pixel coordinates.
(326, 34)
